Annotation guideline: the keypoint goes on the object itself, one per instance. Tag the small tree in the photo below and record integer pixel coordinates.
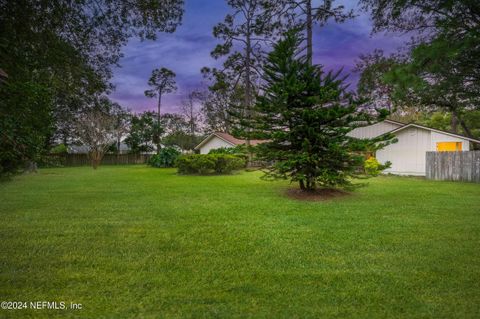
(162, 82)
(143, 128)
(97, 129)
(305, 115)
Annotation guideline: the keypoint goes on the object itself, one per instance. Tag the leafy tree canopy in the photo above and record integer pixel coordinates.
(58, 56)
(441, 70)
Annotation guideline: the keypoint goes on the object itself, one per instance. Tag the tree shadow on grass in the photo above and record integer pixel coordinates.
(321, 194)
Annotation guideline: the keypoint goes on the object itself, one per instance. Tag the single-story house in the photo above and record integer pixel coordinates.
(220, 139)
(407, 155)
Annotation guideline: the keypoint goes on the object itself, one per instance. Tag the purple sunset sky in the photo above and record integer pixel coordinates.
(188, 50)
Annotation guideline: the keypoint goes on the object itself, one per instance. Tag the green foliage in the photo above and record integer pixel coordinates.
(182, 140)
(472, 120)
(25, 123)
(162, 81)
(142, 133)
(238, 150)
(373, 167)
(226, 164)
(59, 149)
(438, 120)
(441, 71)
(51, 160)
(165, 158)
(305, 116)
(58, 56)
(195, 164)
(205, 164)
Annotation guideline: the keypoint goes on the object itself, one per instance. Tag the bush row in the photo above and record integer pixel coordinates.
(209, 164)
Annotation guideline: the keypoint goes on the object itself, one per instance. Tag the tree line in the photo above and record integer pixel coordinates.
(59, 56)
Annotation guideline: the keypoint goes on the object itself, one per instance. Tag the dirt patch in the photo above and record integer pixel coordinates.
(320, 194)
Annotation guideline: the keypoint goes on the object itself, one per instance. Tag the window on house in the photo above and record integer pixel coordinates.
(449, 146)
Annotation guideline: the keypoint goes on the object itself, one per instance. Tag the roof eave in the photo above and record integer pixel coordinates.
(208, 138)
(435, 130)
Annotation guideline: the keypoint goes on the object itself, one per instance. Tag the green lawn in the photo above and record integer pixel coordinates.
(141, 242)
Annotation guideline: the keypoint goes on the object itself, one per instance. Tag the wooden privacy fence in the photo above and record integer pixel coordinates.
(108, 159)
(453, 166)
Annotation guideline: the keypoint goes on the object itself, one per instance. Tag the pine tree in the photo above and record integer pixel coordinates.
(306, 115)
(161, 82)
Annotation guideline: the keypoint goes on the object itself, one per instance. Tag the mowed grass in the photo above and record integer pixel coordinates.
(139, 242)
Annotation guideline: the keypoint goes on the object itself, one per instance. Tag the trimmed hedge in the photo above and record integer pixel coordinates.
(205, 164)
(239, 151)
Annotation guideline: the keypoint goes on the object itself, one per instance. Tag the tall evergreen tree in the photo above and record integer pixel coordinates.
(161, 82)
(305, 116)
(244, 33)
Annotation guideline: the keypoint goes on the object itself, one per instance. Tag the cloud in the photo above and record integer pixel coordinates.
(187, 50)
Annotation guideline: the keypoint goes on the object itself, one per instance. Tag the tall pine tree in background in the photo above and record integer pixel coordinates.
(304, 14)
(246, 32)
(306, 115)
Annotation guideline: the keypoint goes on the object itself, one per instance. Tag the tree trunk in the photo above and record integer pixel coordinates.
(309, 26)
(248, 88)
(118, 145)
(454, 124)
(310, 184)
(31, 167)
(95, 158)
(462, 123)
(191, 116)
(465, 128)
(158, 121)
(302, 184)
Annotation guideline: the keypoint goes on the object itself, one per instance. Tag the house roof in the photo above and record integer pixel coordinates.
(434, 130)
(227, 138)
(395, 122)
(235, 141)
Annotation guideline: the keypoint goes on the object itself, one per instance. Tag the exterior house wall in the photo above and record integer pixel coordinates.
(409, 153)
(373, 130)
(213, 143)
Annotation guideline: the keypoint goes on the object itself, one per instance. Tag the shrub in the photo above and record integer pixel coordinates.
(204, 164)
(225, 163)
(59, 149)
(166, 158)
(373, 167)
(236, 150)
(54, 160)
(239, 151)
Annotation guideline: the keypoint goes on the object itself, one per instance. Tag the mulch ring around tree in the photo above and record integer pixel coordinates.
(321, 194)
